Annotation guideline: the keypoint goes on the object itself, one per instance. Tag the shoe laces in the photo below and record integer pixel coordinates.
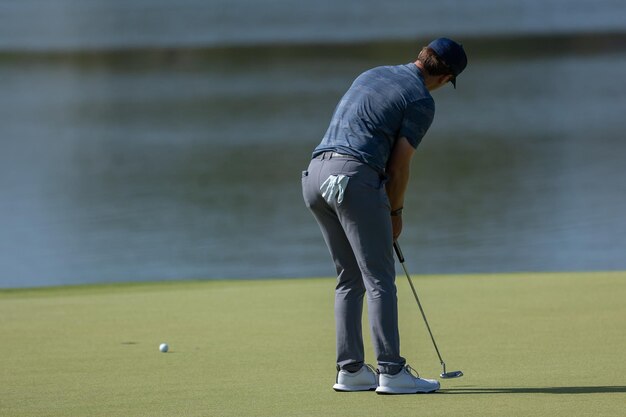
(374, 370)
(411, 371)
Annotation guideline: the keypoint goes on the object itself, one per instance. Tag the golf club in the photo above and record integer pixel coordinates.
(444, 374)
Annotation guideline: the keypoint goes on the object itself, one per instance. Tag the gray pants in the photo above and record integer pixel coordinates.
(359, 237)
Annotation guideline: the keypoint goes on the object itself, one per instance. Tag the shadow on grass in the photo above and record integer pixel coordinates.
(546, 390)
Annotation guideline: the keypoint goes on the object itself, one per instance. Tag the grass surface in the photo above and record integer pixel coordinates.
(529, 344)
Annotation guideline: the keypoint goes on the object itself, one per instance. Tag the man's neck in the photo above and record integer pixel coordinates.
(429, 80)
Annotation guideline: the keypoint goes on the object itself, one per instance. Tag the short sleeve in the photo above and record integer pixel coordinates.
(418, 117)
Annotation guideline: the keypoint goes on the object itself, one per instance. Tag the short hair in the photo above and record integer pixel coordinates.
(433, 64)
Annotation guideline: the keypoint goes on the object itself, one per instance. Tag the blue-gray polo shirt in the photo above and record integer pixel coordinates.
(383, 104)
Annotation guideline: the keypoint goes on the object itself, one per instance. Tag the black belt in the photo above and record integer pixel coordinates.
(331, 155)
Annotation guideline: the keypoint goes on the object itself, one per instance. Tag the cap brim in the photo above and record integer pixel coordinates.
(453, 81)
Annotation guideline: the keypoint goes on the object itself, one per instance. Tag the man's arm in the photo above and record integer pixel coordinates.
(398, 170)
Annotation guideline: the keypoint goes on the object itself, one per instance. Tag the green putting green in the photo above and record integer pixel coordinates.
(529, 345)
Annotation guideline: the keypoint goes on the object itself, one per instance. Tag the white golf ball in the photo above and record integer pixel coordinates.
(163, 347)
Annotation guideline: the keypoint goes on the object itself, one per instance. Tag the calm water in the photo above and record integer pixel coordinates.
(62, 24)
(148, 165)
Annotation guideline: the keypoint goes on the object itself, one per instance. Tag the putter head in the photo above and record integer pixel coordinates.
(453, 374)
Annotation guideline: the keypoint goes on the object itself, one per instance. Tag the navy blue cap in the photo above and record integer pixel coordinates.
(452, 53)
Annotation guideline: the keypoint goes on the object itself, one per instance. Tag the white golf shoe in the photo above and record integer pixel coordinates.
(362, 380)
(404, 382)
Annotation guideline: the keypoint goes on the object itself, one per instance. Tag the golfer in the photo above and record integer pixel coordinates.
(355, 186)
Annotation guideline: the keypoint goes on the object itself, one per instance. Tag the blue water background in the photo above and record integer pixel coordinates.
(152, 140)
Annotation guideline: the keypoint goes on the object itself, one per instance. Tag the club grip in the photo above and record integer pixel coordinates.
(399, 254)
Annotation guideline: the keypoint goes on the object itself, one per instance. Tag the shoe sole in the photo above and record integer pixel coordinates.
(348, 388)
(403, 391)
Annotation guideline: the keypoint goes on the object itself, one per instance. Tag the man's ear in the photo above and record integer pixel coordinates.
(444, 79)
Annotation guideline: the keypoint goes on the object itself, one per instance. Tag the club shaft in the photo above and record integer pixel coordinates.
(408, 277)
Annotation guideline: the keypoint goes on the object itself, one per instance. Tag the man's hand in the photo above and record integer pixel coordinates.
(396, 223)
